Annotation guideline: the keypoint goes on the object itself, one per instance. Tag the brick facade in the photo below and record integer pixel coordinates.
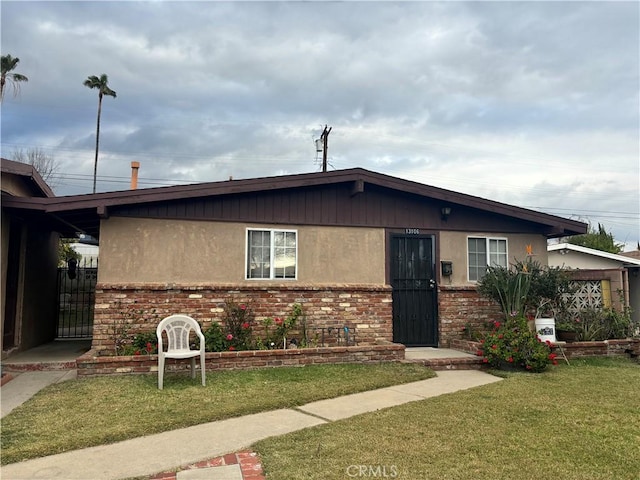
(365, 308)
(460, 307)
(92, 364)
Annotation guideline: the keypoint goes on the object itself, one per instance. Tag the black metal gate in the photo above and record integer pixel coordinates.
(414, 291)
(76, 299)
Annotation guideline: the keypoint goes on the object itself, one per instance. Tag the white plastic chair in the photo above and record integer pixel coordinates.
(178, 328)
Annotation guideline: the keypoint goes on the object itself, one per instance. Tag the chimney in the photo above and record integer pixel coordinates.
(134, 175)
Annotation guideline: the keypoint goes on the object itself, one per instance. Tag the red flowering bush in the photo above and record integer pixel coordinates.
(238, 322)
(278, 329)
(142, 344)
(512, 344)
(236, 331)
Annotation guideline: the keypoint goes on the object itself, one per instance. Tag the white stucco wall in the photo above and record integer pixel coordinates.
(580, 260)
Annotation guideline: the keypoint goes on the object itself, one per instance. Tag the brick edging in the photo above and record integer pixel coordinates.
(249, 462)
(5, 378)
(91, 364)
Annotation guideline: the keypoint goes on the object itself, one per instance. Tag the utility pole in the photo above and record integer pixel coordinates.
(325, 141)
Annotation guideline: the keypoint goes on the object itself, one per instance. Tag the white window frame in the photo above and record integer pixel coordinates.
(272, 247)
(487, 250)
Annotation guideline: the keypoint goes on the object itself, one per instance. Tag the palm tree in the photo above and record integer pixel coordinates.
(101, 83)
(8, 64)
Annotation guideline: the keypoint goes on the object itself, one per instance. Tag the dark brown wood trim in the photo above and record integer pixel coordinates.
(354, 197)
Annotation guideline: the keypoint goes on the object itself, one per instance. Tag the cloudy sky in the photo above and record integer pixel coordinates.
(534, 104)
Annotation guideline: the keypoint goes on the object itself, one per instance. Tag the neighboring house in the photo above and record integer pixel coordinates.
(607, 279)
(29, 261)
(391, 259)
(633, 254)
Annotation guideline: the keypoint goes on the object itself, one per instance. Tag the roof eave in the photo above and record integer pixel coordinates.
(29, 172)
(625, 261)
(553, 226)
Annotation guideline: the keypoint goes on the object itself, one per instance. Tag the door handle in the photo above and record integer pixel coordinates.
(432, 283)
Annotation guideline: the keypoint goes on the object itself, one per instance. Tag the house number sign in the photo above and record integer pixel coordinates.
(412, 231)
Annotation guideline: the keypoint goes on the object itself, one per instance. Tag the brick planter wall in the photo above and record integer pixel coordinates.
(367, 308)
(463, 306)
(91, 364)
(605, 348)
(467, 346)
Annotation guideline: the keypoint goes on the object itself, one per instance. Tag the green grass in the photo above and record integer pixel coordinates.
(577, 422)
(82, 413)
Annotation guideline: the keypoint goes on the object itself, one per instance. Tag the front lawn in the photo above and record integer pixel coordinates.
(83, 413)
(577, 422)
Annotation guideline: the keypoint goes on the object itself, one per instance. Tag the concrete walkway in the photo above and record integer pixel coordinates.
(165, 451)
(25, 385)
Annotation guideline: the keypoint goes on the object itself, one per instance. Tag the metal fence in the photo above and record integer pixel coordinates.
(333, 336)
(76, 299)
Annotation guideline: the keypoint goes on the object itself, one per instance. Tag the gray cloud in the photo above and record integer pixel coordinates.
(530, 103)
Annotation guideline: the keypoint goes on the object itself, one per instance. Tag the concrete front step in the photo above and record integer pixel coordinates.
(465, 363)
(38, 366)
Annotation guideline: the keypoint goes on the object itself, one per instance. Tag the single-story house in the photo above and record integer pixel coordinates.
(607, 279)
(392, 259)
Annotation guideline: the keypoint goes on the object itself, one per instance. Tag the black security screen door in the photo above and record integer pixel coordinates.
(414, 291)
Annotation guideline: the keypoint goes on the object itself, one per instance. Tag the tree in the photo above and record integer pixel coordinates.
(101, 83)
(44, 163)
(598, 239)
(9, 63)
(66, 253)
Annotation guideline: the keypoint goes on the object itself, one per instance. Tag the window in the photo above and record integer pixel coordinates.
(484, 252)
(271, 254)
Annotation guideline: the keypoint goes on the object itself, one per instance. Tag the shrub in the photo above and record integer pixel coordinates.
(527, 287)
(214, 338)
(617, 324)
(508, 287)
(234, 332)
(511, 343)
(237, 332)
(140, 344)
(145, 343)
(548, 290)
(238, 320)
(276, 330)
(594, 324)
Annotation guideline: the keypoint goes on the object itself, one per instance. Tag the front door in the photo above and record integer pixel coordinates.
(414, 291)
